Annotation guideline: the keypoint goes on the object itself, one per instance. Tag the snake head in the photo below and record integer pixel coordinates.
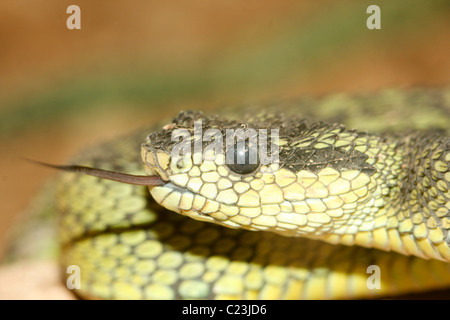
(324, 174)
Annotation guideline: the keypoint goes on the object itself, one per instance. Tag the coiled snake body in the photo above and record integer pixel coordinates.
(341, 204)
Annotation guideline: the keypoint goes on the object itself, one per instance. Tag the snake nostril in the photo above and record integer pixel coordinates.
(180, 164)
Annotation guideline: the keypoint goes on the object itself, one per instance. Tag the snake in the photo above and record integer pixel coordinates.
(356, 206)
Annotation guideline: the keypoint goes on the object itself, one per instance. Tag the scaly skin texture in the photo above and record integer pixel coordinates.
(339, 190)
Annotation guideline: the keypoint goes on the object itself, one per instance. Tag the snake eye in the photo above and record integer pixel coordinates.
(242, 158)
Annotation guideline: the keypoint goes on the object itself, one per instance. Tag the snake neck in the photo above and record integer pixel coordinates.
(423, 216)
(409, 208)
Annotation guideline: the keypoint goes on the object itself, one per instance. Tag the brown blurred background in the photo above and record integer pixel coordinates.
(133, 62)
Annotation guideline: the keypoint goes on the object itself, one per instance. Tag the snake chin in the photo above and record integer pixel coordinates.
(187, 203)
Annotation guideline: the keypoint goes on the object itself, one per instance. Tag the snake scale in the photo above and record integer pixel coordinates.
(341, 200)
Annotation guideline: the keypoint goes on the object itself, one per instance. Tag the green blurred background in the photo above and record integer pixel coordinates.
(134, 62)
